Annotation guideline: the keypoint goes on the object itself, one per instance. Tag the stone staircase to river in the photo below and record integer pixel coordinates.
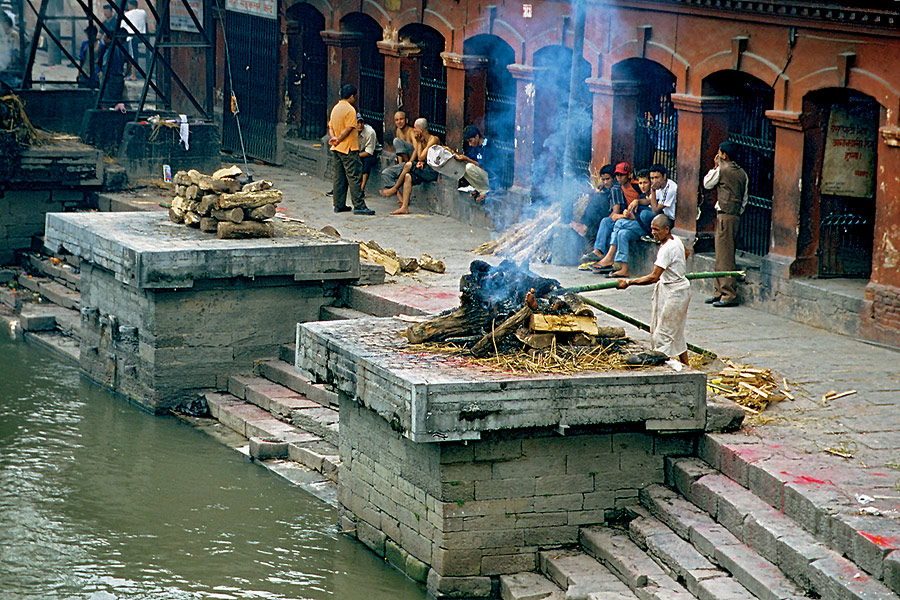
(701, 536)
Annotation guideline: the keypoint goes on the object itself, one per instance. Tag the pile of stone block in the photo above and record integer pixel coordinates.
(220, 204)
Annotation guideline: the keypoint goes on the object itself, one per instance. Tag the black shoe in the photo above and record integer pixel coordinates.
(363, 211)
(722, 304)
(344, 208)
(329, 193)
(649, 359)
(711, 300)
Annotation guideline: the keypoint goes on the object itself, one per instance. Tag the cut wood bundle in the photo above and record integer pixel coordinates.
(379, 257)
(564, 323)
(752, 388)
(527, 240)
(206, 202)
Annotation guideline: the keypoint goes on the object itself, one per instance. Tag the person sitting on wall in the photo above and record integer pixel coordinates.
(403, 144)
(481, 162)
(662, 198)
(603, 209)
(415, 171)
(626, 229)
(368, 148)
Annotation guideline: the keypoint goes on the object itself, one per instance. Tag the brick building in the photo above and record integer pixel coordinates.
(808, 90)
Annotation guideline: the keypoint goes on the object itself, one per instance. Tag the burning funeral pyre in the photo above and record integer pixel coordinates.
(506, 310)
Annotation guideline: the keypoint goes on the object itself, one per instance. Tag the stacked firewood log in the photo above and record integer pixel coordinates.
(220, 204)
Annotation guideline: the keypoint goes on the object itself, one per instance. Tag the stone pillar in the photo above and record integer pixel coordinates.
(614, 110)
(401, 82)
(702, 126)
(786, 188)
(524, 140)
(342, 49)
(466, 94)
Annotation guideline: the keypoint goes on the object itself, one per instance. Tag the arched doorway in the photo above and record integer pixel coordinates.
(306, 77)
(432, 75)
(655, 117)
(498, 114)
(754, 135)
(839, 176)
(371, 69)
(553, 69)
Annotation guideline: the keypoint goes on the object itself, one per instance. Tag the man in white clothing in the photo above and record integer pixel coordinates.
(672, 293)
(368, 148)
(137, 17)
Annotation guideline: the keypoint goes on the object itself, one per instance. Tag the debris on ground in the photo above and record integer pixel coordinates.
(220, 204)
(751, 388)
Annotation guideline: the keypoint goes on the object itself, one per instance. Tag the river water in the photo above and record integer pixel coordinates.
(100, 500)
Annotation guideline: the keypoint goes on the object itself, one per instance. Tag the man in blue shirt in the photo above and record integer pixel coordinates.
(481, 162)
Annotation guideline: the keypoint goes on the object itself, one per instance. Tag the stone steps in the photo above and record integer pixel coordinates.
(288, 406)
(55, 268)
(338, 313)
(56, 293)
(251, 421)
(582, 576)
(772, 558)
(284, 373)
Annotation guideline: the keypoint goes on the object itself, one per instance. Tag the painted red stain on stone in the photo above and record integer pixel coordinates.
(806, 479)
(880, 540)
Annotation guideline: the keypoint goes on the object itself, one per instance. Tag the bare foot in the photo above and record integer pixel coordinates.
(604, 264)
(399, 202)
(480, 197)
(387, 193)
(619, 273)
(400, 211)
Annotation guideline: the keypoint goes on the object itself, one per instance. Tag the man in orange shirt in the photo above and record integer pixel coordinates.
(344, 144)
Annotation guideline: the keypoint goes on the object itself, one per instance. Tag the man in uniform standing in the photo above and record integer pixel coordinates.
(731, 184)
(344, 144)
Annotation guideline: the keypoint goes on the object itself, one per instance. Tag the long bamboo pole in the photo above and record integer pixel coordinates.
(639, 324)
(606, 285)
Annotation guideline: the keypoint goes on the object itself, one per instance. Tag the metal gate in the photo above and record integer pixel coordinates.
(313, 82)
(754, 135)
(432, 80)
(845, 240)
(371, 81)
(253, 44)
(656, 126)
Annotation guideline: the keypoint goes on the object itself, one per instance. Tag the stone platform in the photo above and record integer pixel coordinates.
(167, 309)
(467, 473)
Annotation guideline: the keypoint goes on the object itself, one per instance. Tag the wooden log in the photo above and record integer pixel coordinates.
(430, 264)
(564, 323)
(247, 229)
(191, 219)
(205, 182)
(235, 215)
(206, 204)
(209, 224)
(538, 341)
(179, 204)
(261, 213)
(459, 322)
(181, 178)
(226, 172)
(488, 343)
(248, 199)
(176, 215)
(192, 192)
(611, 332)
(180, 190)
(408, 265)
(256, 186)
(391, 265)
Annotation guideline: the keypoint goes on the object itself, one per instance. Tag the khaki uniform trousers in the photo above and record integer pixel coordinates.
(726, 235)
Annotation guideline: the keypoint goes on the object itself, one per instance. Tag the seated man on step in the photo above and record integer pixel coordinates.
(415, 171)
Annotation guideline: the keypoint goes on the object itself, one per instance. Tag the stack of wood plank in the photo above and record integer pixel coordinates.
(219, 204)
(393, 263)
(751, 388)
(528, 241)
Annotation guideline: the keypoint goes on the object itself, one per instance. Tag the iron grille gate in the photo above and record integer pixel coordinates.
(253, 47)
(846, 232)
(656, 127)
(754, 135)
(371, 83)
(433, 82)
(313, 82)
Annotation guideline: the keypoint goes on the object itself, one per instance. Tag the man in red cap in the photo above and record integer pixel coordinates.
(624, 179)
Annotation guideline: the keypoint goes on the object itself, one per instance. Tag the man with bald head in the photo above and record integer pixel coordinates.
(415, 171)
(672, 293)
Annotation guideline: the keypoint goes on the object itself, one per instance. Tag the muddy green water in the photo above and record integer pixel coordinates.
(100, 500)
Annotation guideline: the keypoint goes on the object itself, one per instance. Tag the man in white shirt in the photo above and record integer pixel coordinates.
(662, 196)
(368, 148)
(672, 293)
(136, 23)
(732, 193)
